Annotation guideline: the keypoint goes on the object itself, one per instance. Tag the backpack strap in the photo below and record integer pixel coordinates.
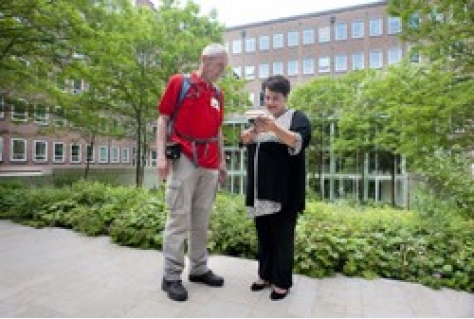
(185, 85)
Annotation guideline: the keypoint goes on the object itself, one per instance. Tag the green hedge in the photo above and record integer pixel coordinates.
(354, 240)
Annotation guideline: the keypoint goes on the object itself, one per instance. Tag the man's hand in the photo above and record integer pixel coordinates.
(163, 168)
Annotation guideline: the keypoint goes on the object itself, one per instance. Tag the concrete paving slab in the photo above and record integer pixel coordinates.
(55, 272)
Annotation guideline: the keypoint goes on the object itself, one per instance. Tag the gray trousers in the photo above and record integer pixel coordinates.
(190, 195)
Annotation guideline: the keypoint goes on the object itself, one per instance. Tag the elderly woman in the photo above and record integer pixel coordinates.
(276, 181)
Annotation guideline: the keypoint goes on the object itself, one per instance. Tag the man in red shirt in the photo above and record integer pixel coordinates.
(192, 179)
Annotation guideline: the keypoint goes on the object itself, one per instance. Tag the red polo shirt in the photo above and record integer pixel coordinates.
(200, 116)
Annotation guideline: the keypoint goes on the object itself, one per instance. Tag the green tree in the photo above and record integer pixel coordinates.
(442, 30)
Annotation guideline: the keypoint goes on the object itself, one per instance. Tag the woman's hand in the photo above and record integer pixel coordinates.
(248, 136)
(265, 123)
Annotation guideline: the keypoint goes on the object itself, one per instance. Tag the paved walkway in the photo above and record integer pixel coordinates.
(59, 273)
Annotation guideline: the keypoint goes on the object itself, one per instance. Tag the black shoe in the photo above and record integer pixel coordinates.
(257, 287)
(278, 295)
(208, 278)
(175, 290)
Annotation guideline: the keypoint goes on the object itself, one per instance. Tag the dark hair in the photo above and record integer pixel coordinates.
(277, 83)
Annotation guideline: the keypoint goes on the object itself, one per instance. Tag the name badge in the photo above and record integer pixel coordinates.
(215, 103)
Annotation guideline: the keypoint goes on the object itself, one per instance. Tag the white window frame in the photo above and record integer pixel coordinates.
(59, 121)
(103, 154)
(237, 71)
(394, 55)
(324, 64)
(394, 25)
(125, 155)
(42, 158)
(292, 40)
(250, 72)
(75, 158)
(358, 31)
(264, 43)
(340, 31)
(41, 119)
(1, 148)
(252, 98)
(376, 27)
(18, 157)
(264, 71)
(250, 45)
(91, 150)
(308, 66)
(324, 34)
(153, 158)
(20, 116)
(114, 154)
(308, 36)
(372, 62)
(237, 46)
(278, 40)
(277, 68)
(355, 62)
(292, 68)
(340, 61)
(59, 158)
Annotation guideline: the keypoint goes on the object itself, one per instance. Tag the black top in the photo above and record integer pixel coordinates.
(281, 176)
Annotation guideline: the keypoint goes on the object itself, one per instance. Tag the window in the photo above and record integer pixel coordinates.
(75, 153)
(103, 154)
(394, 55)
(414, 21)
(90, 154)
(264, 71)
(340, 32)
(250, 45)
(237, 71)
(358, 61)
(59, 152)
(76, 86)
(250, 72)
(308, 66)
(20, 110)
(292, 38)
(40, 151)
(324, 65)
(324, 34)
(153, 157)
(394, 25)
(2, 107)
(376, 27)
(41, 114)
(292, 68)
(59, 116)
(278, 41)
(237, 46)
(415, 55)
(341, 63)
(114, 155)
(375, 59)
(357, 29)
(277, 68)
(264, 43)
(18, 150)
(125, 155)
(308, 36)
(252, 98)
(1, 149)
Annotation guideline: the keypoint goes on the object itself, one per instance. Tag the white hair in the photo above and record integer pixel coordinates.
(214, 49)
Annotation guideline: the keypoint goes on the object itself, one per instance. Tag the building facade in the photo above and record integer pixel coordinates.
(330, 43)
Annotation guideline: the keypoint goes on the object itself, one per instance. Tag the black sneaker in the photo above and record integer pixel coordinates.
(208, 278)
(175, 290)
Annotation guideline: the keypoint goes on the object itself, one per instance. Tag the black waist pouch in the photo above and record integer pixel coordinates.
(173, 150)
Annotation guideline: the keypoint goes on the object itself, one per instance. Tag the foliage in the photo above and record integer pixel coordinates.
(441, 30)
(356, 240)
